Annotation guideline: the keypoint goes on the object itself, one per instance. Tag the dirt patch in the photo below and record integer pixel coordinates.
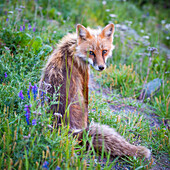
(118, 105)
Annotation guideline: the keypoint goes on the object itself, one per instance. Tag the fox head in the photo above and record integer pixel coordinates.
(95, 46)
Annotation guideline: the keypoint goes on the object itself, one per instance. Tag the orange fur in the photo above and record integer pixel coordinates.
(68, 68)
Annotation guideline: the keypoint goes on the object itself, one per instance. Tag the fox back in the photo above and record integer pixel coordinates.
(66, 77)
(67, 71)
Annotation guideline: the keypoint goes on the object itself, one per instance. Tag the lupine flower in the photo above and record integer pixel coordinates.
(6, 75)
(34, 29)
(29, 89)
(7, 19)
(57, 168)
(27, 115)
(35, 91)
(43, 97)
(27, 118)
(45, 165)
(21, 95)
(30, 86)
(28, 93)
(27, 108)
(29, 26)
(34, 122)
(21, 28)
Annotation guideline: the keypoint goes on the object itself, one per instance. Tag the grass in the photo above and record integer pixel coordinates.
(28, 33)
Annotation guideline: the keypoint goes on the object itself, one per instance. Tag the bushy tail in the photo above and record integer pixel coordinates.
(114, 143)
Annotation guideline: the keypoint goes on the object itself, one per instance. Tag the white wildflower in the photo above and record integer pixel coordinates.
(142, 31)
(167, 26)
(146, 37)
(124, 28)
(113, 15)
(58, 13)
(117, 25)
(163, 21)
(107, 10)
(58, 114)
(22, 6)
(50, 126)
(128, 22)
(11, 12)
(104, 2)
(27, 137)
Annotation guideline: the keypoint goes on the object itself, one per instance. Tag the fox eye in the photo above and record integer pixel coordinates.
(104, 51)
(91, 52)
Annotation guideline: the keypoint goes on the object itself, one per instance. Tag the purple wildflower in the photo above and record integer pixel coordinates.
(45, 165)
(57, 168)
(29, 26)
(43, 97)
(28, 93)
(29, 89)
(27, 118)
(6, 75)
(21, 95)
(21, 28)
(35, 91)
(30, 86)
(7, 19)
(27, 115)
(34, 122)
(34, 29)
(27, 108)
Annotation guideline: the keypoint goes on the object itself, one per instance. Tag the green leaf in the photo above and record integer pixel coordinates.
(37, 43)
(25, 39)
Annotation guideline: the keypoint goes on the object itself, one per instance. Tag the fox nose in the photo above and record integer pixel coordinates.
(101, 67)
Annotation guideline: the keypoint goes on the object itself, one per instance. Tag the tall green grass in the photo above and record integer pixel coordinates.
(29, 31)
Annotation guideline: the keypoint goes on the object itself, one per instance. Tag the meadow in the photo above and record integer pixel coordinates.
(30, 30)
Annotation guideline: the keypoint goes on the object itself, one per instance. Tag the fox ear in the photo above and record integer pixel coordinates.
(108, 31)
(82, 32)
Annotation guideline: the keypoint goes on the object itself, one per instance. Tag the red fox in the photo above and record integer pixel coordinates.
(67, 72)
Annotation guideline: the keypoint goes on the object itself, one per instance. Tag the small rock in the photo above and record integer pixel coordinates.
(152, 87)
